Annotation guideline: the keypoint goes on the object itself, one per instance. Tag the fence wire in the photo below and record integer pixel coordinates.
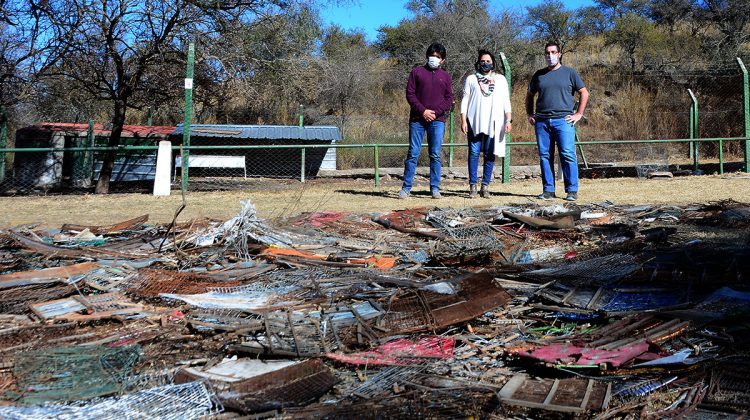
(629, 107)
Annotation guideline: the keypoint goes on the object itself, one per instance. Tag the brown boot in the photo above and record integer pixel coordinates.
(485, 191)
(473, 191)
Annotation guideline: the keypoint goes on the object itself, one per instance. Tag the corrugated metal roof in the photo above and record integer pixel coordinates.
(99, 130)
(286, 132)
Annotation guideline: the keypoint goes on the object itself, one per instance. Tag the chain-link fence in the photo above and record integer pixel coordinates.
(635, 119)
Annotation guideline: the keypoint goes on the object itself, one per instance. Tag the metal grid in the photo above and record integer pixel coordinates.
(185, 401)
(153, 282)
(420, 310)
(452, 218)
(16, 300)
(294, 385)
(291, 334)
(72, 373)
(729, 386)
(384, 381)
(474, 238)
(222, 320)
(111, 278)
(599, 270)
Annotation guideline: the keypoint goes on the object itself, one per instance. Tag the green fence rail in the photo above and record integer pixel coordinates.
(377, 149)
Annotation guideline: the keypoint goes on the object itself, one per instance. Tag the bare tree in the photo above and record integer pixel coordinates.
(30, 42)
(129, 51)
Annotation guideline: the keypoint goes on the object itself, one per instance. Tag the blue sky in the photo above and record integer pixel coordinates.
(372, 14)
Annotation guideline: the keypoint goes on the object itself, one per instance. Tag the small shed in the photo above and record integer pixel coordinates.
(265, 161)
(55, 169)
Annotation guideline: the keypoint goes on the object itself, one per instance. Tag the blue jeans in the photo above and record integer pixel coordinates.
(417, 130)
(548, 133)
(484, 144)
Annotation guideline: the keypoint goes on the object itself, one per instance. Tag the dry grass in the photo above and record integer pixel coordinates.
(276, 199)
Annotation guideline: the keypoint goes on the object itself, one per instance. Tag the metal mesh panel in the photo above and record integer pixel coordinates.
(384, 380)
(71, 373)
(599, 270)
(185, 401)
(292, 334)
(16, 300)
(152, 282)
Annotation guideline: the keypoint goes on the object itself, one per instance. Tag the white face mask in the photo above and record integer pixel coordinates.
(433, 62)
(551, 60)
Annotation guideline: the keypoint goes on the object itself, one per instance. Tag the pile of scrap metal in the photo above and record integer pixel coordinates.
(601, 310)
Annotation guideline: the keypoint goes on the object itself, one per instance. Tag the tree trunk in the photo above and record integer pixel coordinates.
(118, 121)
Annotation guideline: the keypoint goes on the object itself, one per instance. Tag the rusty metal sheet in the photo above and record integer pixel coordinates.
(56, 251)
(421, 310)
(46, 275)
(153, 282)
(563, 222)
(131, 224)
(294, 385)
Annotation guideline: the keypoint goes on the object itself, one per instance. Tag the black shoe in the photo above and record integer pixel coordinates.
(572, 196)
(473, 191)
(547, 195)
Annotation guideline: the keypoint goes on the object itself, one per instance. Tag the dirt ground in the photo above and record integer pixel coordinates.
(281, 198)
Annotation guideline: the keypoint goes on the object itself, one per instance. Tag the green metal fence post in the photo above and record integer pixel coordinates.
(451, 136)
(746, 97)
(694, 128)
(150, 116)
(377, 165)
(302, 166)
(188, 115)
(301, 116)
(506, 159)
(3, 141)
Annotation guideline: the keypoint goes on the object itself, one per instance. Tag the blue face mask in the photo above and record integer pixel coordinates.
(486, 67)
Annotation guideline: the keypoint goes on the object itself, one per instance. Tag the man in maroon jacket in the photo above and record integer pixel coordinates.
(429, 92)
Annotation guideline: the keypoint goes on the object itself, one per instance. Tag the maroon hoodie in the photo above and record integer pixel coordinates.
(429, 89)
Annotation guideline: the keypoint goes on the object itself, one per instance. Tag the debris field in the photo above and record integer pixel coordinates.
(591, 311)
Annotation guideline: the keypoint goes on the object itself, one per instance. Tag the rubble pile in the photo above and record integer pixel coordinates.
(600, 310)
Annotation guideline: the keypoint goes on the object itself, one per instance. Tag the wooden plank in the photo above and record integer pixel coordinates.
(512, 386)
(558, 408)
(587, 395)
(552, 391)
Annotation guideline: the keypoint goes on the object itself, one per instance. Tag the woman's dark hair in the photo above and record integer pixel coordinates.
(480, 53)
(436, 47)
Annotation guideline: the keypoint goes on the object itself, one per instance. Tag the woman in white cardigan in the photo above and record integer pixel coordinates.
(485, 118)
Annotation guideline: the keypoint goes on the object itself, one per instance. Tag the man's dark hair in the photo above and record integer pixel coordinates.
(482, 52)
(550, 44)
(436, 47)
